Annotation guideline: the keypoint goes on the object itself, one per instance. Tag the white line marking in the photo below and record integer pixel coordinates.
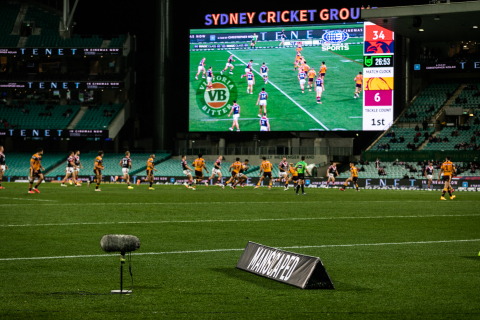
(232, 220)
(26, 199)
(240, 249)
(258, 119)
(286, 95)
(355, 117)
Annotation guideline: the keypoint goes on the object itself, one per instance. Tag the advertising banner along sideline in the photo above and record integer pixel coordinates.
(295, 269)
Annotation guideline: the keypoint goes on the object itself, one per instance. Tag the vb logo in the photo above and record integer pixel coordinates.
(219, 101)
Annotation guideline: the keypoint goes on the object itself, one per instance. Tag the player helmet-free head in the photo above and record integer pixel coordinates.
(303, 158)
(264, 158)
(184, 157)
(71, 153)
(100, 153)
(238, 159)
(200, 155)
(40, 151)
(127, 153)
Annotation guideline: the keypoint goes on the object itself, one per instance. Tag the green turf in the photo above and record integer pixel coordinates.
(338, 111)
(402, 278)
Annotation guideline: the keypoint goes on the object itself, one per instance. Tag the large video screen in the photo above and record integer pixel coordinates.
(291, 78)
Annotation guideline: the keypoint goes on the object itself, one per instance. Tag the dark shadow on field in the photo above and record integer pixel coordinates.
(476, 258)
(238, 274)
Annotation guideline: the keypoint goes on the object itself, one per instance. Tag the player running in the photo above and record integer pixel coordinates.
(262, 101)
(150, 169)
(283, 170)
(216, 170)
(266, 168)
(291, 171)
(264, 123)
(234, 169)
(323, 70)
(319, 89)
(248, 69)
(69, 170)
(3, 166)
(429, 174)
(35, 166)
(236, 115)
(264, 72)
(447, 169)
(282, 39)
(301, 78)
(250, 82)
(209, 79)
(299, 47)
(229, 65)
(199, 165)
(353, 178)
(97, 169)
(301, 168)
(126, 164)
(253, 42)
(331, 172)
(76, 171)
(311, 77)
(187, 172)
(201, 67)
(358, 85)
(241, 177)
(297, 61)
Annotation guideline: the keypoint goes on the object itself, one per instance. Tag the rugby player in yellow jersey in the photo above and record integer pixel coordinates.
(266, 168)
(291, 171)
(297, 60)
(234, 169)
(358, 85)
(241, 177)
(150, 169)
(35, 166)
(323, 70)
(97, 169)
(448, 170)
(199, 165)
(311, 76)
(353, 177)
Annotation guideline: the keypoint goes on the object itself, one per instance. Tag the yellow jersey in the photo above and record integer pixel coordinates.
(293, 171)
(35, 161)
(359, 79)
(447, 167)
(198, 163)
(150, 164)
(323, 69)
(311, 74)
(99, 162)
(266, 166)
(354, 171)
(237, 166)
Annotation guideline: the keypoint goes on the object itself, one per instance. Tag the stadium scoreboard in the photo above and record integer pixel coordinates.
(340, 50)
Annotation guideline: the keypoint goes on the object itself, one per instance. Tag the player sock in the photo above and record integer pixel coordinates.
(303, 191)
(356, 185)
(443, 192)
(298, 188)
(151, 184)
(96, 187)
(30, 189)
(36, 186)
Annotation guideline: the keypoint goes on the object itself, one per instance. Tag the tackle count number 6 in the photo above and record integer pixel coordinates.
(377, 97)
(376, 35)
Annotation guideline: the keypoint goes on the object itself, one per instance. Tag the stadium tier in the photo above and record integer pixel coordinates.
(408, 135)
(457, 139)
(19, 163)
(94, 117)
(33, 116)
(8, 14)
(117, 42)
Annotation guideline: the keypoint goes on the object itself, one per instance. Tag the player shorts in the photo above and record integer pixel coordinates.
(322, 74)
(236, 116)
(263, 102)
(429, 176)
(355, 179)
(69, 169)
(239, 175)
(234, 174)
(34, 173)
(264, 74)
(262, 128)
(358, 85)
(77, 169)
(228, 65)
(97, 172)
(295, 178)
(200, 68)
(2, 168)
(446, 178)
(302, 81)
(215, 171)
(301, 176)
(149, 172)
(310, 80)
(198, 174)
(250, 82)
(253, 42)
(209, 79)
(267, 175)
(282, 174)
(247, 70)
(186, 172)
(125, 170)
(319, 89)
(331, 175)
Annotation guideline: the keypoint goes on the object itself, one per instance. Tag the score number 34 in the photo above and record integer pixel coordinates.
(377, 35)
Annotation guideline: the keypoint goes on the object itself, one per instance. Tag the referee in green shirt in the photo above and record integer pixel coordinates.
(301, 169)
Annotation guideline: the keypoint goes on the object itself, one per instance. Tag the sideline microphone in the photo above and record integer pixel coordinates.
(119, 243)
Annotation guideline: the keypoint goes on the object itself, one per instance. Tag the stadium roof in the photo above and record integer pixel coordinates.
(439, 22)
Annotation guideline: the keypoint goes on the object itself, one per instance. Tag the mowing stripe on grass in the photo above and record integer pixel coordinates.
(25, 199)
(231, 220)
(286, 95)
(241, 249)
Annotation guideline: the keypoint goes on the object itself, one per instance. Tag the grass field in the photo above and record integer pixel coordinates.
(288, 109)
(390, 254)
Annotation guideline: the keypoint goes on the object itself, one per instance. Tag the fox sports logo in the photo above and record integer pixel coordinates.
(335, 36)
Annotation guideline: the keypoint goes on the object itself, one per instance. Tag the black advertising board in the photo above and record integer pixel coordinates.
(58, 52)
(295, 269)
(55, 85)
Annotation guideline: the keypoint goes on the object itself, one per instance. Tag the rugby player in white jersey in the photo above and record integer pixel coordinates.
(69, 169)
(229, 65)
(126, 164)
(331, 173)
(264, 73)
(302, 76)
(76, 171)
(201, 67)
(216, 170)
(429, 174)
(319, 89)
(187, 171)
(250, 82)
(283, 169)
(262, 101)
(248, 69)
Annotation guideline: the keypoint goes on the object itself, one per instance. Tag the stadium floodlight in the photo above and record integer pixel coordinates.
(475, 27)
(421, 30)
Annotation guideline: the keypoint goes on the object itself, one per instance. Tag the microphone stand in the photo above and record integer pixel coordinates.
(122, 262)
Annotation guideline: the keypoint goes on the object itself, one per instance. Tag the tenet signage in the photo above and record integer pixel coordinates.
(286, 16)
